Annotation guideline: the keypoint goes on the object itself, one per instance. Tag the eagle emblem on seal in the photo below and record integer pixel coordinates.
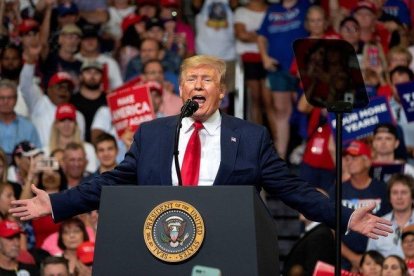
(174, 231)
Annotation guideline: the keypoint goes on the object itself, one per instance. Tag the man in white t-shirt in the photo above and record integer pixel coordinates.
(42, 107)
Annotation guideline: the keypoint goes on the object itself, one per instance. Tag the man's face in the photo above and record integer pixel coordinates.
(91, 78)
(398, 78)
(11, 64)
(106, 152)
(408, 246)
(400, 197)
(55, 270)
(358, 165)
(60, 93)
(8, 99)
(365, 18)
(350, 32)
(384, 143)
(69, 42)
(315, 22)
(74, 163)
(149, 50)
(202, 84)
(156, 33)
(30, 39)
(89, 44)
(153, 72)
(10, 247)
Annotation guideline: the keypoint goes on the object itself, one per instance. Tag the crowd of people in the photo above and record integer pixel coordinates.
(59, 59)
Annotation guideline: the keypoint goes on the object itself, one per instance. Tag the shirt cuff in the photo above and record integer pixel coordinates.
(348, 230)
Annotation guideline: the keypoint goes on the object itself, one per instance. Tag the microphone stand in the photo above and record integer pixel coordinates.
(339, 108)
(187, 110)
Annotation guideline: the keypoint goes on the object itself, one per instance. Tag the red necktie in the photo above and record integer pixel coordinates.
(191, 163)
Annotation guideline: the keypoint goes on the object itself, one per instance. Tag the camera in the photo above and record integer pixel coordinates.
(47, 163)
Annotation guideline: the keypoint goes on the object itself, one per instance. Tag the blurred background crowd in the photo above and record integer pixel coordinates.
(59, 59)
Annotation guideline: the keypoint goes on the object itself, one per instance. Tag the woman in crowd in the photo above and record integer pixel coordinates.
(65, 130)
(71, 234)
(394, 266)
(371, 263)
(6, 197)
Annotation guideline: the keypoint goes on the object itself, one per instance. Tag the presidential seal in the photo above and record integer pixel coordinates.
(174, 231)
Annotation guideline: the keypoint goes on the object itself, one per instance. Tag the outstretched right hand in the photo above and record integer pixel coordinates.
(36, 207)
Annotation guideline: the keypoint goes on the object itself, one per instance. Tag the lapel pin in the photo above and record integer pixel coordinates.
(233, 139)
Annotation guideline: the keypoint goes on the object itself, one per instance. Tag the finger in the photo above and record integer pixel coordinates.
(372, 236)
(29, 217)
(35, 190)
(384, 228)
(384, 221)
(370, 206)
(18, 209)
(19, 202)
(379, 232)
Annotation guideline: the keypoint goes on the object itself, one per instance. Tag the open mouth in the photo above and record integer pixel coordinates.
(199, 99)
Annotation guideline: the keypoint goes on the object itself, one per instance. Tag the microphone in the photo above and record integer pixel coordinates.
(187, 110)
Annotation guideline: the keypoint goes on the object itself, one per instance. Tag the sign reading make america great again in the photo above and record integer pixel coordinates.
(361, 122)
(130, 106)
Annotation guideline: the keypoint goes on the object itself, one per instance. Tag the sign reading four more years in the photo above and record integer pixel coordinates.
(406, 93)
(361, 122)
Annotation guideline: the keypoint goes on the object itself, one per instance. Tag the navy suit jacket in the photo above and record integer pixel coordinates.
(248, 157)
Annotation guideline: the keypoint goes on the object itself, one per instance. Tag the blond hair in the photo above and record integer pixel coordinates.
(204, 60)
(400, 50)
(3, 158)
(55, 136)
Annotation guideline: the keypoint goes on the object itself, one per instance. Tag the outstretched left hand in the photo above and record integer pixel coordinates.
(367, 224)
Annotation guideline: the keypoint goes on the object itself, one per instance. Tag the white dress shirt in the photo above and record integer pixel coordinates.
(210, 148)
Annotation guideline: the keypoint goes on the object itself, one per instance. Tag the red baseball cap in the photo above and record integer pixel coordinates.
(9, 228)
(365, 5)
(85, 252)
(65, 111)
(60, 77)
(28, 25)
(130, 20)
(170, 3)
(357, 148)
(147, 2)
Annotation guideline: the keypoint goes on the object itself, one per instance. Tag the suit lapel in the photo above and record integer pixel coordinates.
(229, 144)
(167, 151)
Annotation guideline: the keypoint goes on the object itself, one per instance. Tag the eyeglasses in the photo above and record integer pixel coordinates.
(350, 29)
(408, 240)
(7, 98)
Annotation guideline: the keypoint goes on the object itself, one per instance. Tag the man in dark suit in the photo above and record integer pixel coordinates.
(233, 152)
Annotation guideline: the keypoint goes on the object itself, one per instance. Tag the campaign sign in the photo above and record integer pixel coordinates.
(406, 93)
(361, 122)
(383, 172)
(325, 269)
(130, 106)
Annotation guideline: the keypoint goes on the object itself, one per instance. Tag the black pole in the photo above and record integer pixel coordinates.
(176, 152)
(338, 202)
